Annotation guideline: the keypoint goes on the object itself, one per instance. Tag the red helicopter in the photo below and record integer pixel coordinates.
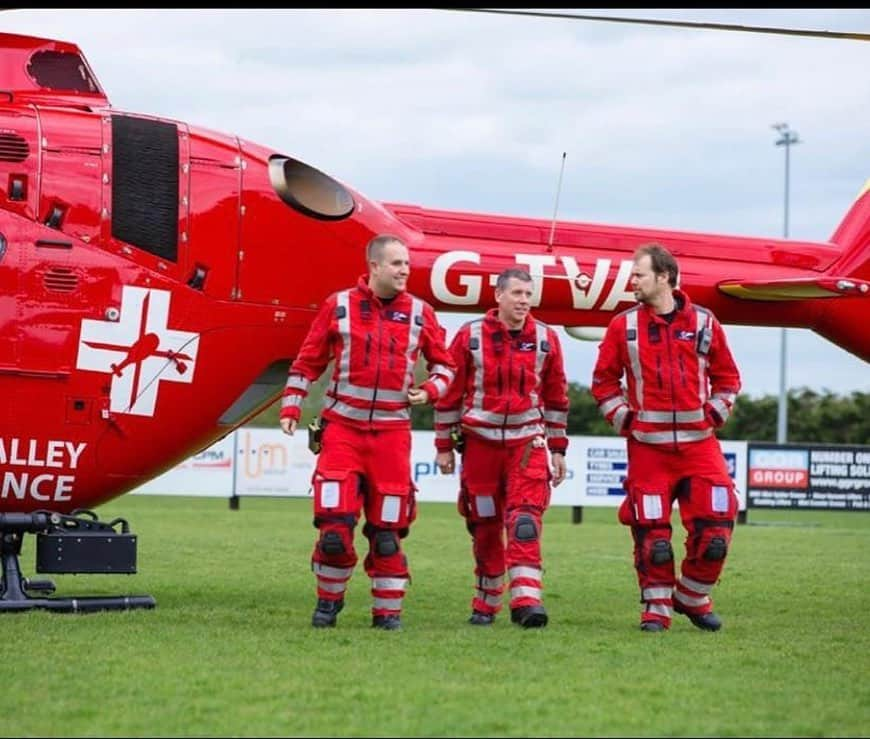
(145, 312)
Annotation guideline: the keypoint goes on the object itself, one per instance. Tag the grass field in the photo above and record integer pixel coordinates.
(229, 650)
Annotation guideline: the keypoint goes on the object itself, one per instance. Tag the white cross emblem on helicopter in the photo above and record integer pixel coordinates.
(139, 349)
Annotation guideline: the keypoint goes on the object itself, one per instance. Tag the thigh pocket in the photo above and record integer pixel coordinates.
(649, 504)
(481, 502)
(335, 492)
(713, 499)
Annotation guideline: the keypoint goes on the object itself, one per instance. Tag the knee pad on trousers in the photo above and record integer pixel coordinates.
(653, 545)
(525, 528)
(386, 542)
(711, 539)
(331, 542)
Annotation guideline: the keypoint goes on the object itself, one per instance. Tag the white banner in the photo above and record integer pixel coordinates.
(263, 461)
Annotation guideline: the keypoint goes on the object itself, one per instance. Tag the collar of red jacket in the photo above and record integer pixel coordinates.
(681, 300)
(363, 286)
(493, 323)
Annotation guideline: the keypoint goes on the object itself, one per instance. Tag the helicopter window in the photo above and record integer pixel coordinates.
(60, 70)
(309, 190)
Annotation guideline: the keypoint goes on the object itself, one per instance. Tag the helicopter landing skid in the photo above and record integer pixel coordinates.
(75, 543)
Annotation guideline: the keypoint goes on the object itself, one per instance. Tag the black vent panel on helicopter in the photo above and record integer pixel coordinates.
(13, 148)
(145, 184)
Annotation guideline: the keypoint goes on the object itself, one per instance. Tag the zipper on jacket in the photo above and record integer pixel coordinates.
(368, 348)
(377, 368)
(392, 351)
(673, 394)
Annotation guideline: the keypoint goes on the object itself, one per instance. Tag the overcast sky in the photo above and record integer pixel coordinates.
(662, 127)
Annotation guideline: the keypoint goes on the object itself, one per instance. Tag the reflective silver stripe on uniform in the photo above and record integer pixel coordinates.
(609, 405)
(619, 418)
(554, 431)
(688, 600)
(442, 433)
(666, 437)
(441, 376)
(507, 434)
(291, 401)
(415, 329)
(524, 591)
(659, 609)
(557, 417)
(493, 583)
(490, 600)
(656, 593)
(634, 355)
(332, 587)
(696, 414)
(389, 583)
(389, 604)
(702, 319)
(540, 358)
(363, 414)
(721, 408)
(475, 332)
(698, 587)
(368, 394)
(448, 418)
(512, 419)
(521, 571)
(336, 573)
(298, 382)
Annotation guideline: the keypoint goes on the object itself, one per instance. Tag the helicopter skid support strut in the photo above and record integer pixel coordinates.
(75, 543)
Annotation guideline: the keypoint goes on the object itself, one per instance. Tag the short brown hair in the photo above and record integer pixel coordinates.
(375, 247)
(662, 261)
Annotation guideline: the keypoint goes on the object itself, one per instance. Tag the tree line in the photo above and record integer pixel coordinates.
(813, 418)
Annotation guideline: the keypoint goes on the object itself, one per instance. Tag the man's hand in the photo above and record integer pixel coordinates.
(288, 425)
(559, 467)
(446, 462)
(417, 396)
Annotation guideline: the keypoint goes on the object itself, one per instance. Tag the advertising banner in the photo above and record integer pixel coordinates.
(835, 477)
(602, 462)
(267, 462)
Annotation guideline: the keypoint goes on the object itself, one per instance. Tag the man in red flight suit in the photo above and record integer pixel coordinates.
(510, 401)
(374, 333)
(681, 385)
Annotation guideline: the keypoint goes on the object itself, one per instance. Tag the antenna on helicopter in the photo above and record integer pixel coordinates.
(556, 206)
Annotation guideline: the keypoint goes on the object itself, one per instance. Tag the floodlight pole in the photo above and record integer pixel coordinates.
(787, 138)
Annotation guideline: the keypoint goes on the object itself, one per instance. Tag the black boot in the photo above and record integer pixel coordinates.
(479, 618)
(706, 621)
(529, 617)
(326, 612)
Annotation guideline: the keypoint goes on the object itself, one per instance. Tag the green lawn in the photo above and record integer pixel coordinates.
(229, 650)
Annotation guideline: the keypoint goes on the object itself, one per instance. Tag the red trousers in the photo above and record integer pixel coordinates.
(363, 470)
(504, 492)
(697, 477)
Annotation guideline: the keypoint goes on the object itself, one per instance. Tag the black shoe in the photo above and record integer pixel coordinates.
(390, 622)
(706, 621)
(326, 612)
(479, 618)
(529, 617)
(652, 626)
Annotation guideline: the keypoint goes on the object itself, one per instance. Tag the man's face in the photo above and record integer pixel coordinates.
(389, 276)
(514, 302)
(647, 285)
